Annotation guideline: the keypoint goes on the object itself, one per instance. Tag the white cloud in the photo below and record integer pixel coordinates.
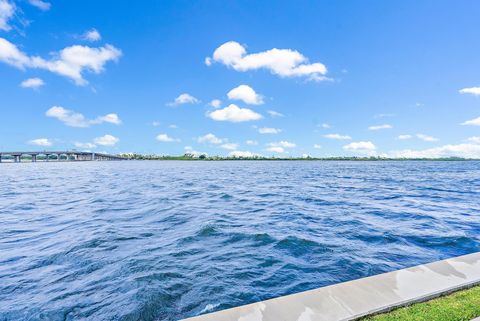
(280, 147)
(472, 122)
(42, 5)
(166, 139)
(251, 142)
(84, 145)
(73, 119)
(70, 118)
(474, 139)
(215, 103)
(32, 83)
(404, 137)
(317, 146)
(427, 138)
(383, 115)
(109, 118)
(459, 150)
(378, 127)
(41, 142)
(281, 62)
(155, 123)
(229, 146)
(325, 126)
(282, 143)
(269, 130)
(472, 90)
(337, 136)
(184, 99)
(361, 147)
(172, 126)
(92, 35)
(70, 62)
(246, 94)
(274, 113)
(234, 114)
(276, 149)
(106, 140)
(190, 150)
(210, 139)
(7, 10)
(242, 154)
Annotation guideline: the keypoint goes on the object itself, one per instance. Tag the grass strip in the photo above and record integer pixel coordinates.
(463, 305)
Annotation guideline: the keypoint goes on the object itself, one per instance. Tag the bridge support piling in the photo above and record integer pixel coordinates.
(34, 158)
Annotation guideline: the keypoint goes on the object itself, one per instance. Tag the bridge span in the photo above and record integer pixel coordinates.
(47, 156)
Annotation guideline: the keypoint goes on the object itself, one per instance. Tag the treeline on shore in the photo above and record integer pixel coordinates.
(204, 157)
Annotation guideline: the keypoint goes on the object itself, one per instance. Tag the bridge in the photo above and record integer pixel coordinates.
(47, 156)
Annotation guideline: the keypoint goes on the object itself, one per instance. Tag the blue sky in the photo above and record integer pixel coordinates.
(320, 78)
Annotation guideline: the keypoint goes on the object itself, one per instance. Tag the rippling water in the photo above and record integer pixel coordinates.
(166, 240)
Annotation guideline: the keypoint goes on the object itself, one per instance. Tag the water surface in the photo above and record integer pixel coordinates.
(171, 239)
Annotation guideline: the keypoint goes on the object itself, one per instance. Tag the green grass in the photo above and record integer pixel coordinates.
(459, 306)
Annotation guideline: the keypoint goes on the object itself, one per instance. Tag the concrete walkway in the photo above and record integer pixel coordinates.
(350, 300)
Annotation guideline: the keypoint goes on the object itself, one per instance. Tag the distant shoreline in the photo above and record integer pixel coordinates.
(259, 158)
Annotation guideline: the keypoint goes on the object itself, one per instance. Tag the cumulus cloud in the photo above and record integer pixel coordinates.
(92, 35)
(378, 127)
(274, 113)
(276, 149)
(472, 122)
(184, 99)
(109, 118)
(215, 103)
(7, 10)
(317, 146)
(106, 140)
(404, 137)
(42, 5)
(242, 154)
(210, 139)
(229, 146)
(280, 147)
(459, 150)
(280, 62)
(472, 90)
(325, 126)
(33, 83)
(426, 138)
(474, 139)
(234, 114)
(70, 62)
(246, 94)
(251, 142)
(166, 139)
(191, 151)
(41, 142)
(337, 136)
(74, 119)
(84, 145)
(361, 147)
(269, 130)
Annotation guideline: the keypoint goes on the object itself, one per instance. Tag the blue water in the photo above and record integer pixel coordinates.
(166, 240)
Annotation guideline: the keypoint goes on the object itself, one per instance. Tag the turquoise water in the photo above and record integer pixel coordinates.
(171, 239)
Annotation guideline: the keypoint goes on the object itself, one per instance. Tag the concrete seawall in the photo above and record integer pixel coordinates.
(357, 298)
